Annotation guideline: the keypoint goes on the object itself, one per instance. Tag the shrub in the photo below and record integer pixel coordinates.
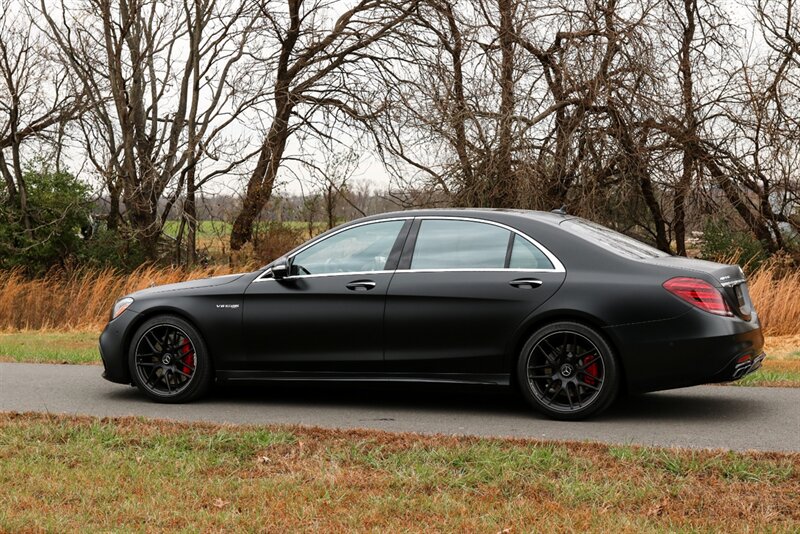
(58, 206)
(108, 248)
(274, 240)
(722, 242)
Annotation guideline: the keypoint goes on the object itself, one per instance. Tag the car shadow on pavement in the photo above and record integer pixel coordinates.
(689, 404)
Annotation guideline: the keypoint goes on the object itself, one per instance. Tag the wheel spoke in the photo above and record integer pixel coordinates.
(550, 355)
(166, 380)
(182, 373)
(569, 397)
(151, 375)
(594, 378)
(590, 362)
(150, 343)
(555, 394)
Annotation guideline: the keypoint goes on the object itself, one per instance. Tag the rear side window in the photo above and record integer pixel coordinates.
(525, 255)
(611, 240)
(445, 244)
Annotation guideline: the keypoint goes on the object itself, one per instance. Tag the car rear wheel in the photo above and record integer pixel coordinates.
(567, 371)
(169, 361)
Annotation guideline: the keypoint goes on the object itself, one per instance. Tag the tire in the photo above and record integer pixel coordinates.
(568, 371)
(168, 360)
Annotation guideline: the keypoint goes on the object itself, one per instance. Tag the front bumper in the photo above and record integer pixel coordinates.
(113, 348)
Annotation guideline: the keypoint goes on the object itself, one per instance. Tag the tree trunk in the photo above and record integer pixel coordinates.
(10, 186)
(690, 123)
(501, 193)
(679, 204)
(190, 214)
(259, 187)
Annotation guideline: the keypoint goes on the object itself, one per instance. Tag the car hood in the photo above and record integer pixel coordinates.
(191, 284)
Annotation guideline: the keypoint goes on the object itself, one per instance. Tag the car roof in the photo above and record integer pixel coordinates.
(479, 213)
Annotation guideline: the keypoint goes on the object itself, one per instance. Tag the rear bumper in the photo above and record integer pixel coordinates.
(694, 348)
(112, 348)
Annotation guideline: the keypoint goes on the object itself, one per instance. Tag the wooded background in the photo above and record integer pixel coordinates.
(656, 117)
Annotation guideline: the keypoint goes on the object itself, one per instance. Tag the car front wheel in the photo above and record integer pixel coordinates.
(169, 361)
(567, 371)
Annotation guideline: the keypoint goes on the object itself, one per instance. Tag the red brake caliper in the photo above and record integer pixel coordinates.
(187, 355)
(592, 372)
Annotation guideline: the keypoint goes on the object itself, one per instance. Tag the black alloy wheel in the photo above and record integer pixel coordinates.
(169, 361)
(567, 371)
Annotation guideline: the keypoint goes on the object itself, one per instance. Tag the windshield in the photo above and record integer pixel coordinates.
(611, 240)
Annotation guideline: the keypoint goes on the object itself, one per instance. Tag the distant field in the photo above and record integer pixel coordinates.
(214, 236)
(62, 474)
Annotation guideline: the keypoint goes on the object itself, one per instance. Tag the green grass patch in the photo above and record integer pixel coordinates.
(769, 377)
(35, 346)
(61, 473)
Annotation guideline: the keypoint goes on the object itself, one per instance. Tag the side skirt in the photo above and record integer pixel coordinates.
(290, 376)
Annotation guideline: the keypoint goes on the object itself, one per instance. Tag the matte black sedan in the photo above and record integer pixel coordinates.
(567, 310)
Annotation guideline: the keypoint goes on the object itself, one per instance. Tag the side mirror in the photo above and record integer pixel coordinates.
(280, 269)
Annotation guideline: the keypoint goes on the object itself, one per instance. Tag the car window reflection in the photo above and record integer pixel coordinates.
(360, 249)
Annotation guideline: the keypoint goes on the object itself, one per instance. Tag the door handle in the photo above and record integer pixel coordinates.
(528, 283)
(361, 285)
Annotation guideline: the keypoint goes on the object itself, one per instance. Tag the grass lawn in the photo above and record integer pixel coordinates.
(61, 473)
(35, 346)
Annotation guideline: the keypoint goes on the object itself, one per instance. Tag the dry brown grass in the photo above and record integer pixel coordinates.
(776, 297)
(78, 300)
(61, 474)
(82, 300)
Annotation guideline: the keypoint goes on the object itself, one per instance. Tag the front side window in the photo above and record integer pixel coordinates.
(361, 249)
(443, 244)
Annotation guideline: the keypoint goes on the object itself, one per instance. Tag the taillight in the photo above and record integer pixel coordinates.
(699, 293)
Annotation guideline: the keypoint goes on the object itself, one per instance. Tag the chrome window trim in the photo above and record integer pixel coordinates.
(558, 267)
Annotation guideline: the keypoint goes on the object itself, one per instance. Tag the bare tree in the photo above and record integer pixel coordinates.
(35, 101)
(165, 80)
(313, 58)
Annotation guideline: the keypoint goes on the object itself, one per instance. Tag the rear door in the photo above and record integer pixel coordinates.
(462, 289)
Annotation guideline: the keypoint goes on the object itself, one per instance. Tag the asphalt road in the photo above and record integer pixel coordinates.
(736, 418)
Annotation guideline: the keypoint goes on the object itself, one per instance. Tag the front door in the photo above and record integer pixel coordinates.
(327, 315)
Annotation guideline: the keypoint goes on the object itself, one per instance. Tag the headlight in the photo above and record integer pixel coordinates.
(120, 306)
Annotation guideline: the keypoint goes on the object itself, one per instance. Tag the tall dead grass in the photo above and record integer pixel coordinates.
(776, 297)
(83, 299)
(79, 300)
